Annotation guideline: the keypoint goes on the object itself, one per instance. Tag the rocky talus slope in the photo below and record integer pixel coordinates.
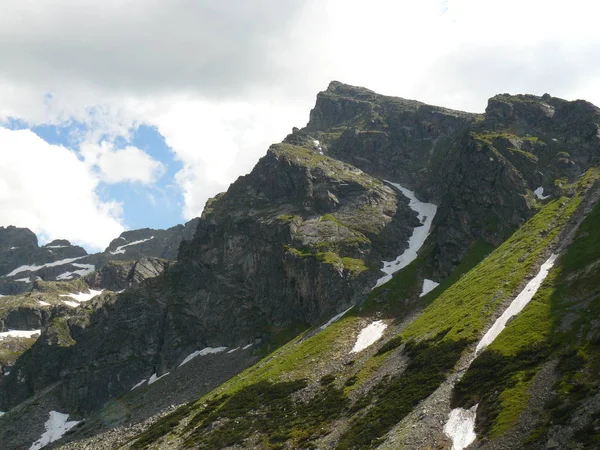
(301, 239)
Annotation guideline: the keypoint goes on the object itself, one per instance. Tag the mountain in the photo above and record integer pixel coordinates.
(276, 328)
(46, 283)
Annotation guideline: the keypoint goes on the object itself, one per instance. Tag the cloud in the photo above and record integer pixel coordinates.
(49, 190)
(129, 164)
(222, 80)
(147, 46)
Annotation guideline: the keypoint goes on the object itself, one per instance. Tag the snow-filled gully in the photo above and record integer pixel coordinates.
(460, 426)
(426, 212)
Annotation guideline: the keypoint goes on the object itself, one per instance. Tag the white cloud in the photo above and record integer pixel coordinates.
(222, 80)
(129, 164)
(49, 190)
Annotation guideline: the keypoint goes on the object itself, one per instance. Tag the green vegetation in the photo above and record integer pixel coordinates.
(390, 299)
(346, 263)
(264, 408)
(343, 263)
(469, 303)
(288, 218)
(500, 377)
(392, 400)
(489, 138)
(530, 156)
(59, 330)
(310, 158)
(12, 348)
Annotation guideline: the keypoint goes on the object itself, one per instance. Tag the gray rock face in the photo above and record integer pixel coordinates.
(119, 275)
(22, 261)
(137, 244)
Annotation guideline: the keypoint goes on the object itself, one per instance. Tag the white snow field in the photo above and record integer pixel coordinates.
(34, 268)
(56, 427)
(84, 270)
(428, 286)
(83, 296)
(516, 305)
(138, 385)
(539, 193)
(334, 319)
(19, 333)
(461, 423)
(203, 352)
(426, 213)
(461, 427)
(153, 378)
(369, 335)
(121, 248)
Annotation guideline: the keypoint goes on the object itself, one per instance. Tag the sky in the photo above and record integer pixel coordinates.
(123, 114)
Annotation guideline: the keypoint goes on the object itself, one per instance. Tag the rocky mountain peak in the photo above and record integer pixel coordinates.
(12, 237)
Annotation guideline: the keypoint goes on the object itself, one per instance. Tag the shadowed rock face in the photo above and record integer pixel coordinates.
(26, 262)
(301, 236)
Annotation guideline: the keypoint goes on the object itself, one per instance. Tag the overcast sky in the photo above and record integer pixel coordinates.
(121, 114)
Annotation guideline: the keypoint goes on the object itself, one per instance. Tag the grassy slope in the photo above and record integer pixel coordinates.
(499, 379)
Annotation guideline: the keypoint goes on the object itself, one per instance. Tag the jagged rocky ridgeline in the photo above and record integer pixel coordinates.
(23, 261)
(302, 238)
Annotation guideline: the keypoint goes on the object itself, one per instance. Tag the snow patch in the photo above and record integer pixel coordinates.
(203, 352)
(65, 276)
(84, 270)
(539, 193)
(19, 333)
(154, 378)
(335, 318)
(426, 213)
(56, 246)
(138, 385)
(428, 286)
(516, 305)
(246, 347)
(43, 303)
(120, 249)
(461, 427)
(369, 335)
(34, 267)
(461, 423)
(24, 280)
(71, 304)
(318, 146)
(233, 350)
(83, 296)
(56, 427)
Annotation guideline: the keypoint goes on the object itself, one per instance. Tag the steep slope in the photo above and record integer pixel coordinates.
(318, 392)
(300, 239)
